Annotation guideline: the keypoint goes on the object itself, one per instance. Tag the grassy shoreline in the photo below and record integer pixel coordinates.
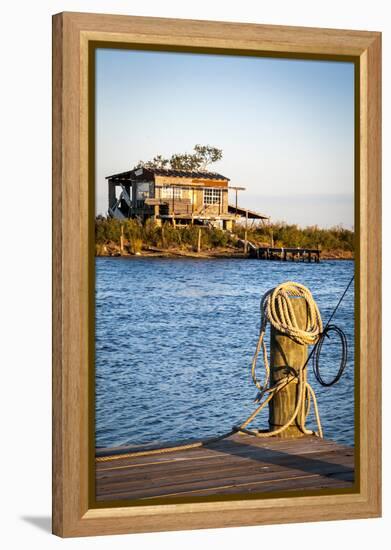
(217, 254)
(151, 240)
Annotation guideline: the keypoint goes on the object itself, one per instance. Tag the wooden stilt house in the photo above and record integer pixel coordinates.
(173, 195)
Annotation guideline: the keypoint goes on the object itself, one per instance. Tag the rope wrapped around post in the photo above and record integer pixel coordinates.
(277, 309)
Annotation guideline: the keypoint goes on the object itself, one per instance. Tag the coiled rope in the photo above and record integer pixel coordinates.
(318, 349)
(276, 308)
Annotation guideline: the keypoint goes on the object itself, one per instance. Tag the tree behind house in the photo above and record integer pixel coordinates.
(202, 157)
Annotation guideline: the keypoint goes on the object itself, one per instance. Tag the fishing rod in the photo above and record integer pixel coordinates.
(317, 349)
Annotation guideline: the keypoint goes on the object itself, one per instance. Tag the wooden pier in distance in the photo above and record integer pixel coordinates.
(241, 464)
(285, 254)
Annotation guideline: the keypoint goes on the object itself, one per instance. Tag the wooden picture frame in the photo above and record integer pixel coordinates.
(73, 34)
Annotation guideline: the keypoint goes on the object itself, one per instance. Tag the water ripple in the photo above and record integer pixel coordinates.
(175, 339)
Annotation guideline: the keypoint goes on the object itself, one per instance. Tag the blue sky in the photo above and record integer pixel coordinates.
(286, 127)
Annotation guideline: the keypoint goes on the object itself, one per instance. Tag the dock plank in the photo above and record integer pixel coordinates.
(323, 462)
(240, 464)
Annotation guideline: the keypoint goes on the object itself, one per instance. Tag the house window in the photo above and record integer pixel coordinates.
(212, 196)
(143, 190)
(171, 192)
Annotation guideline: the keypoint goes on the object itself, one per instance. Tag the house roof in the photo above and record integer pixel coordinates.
(168, 172)
(233, 209)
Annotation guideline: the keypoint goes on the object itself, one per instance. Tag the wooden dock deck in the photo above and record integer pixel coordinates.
(241, 464)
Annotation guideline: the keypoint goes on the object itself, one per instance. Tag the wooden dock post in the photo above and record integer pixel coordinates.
(245, 235)
(286, 356)
(121, 239)
(199, 241)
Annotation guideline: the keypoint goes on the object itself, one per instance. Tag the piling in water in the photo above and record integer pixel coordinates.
(286, 357)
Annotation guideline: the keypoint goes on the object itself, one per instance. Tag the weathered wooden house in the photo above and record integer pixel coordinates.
(174, 195)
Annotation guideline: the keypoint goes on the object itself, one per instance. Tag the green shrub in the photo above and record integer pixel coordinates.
(152, 233)
(170, 235)
(135, 245)
(107, 230)
(217, 237)
(190, 236)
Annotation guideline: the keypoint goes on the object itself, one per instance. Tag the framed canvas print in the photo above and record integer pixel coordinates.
(216, 274)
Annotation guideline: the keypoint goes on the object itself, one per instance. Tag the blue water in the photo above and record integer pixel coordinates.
(175, 339)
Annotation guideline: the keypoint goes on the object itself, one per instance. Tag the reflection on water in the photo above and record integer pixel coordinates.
(175, 339)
